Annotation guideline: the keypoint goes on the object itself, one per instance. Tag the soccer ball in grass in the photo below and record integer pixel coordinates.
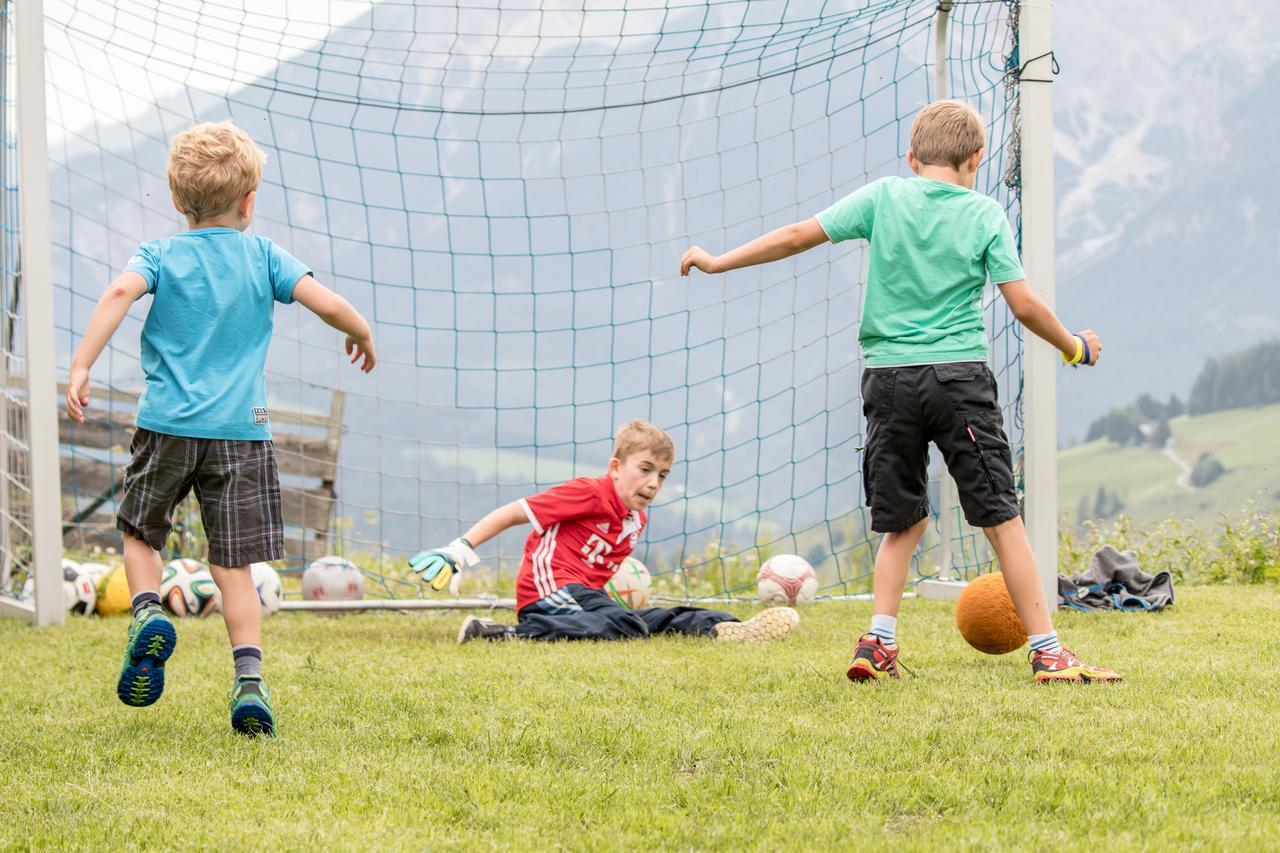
(986, 617)
(112, 596)
(81, 593)
(630, 584)
(270, 590)
(786, 579)
(187, 588)
(266, 581)
(95, 571)
(332, 578)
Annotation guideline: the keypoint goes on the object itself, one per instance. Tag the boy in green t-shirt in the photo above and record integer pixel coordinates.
(933, 244)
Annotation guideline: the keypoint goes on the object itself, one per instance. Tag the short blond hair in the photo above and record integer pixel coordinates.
(638, 436)
(946, 133)
(211, 167)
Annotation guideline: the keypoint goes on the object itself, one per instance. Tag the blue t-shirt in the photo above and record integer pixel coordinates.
(204, 343)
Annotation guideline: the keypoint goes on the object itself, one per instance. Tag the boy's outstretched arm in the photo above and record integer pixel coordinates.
(1040, 319)
(339, 314)
(114, 304)
(438, 565)
(777, 244)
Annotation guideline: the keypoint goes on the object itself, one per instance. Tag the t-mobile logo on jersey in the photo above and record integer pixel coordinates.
(595, 550)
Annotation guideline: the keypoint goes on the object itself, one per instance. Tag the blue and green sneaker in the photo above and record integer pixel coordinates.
(151, 641)
(251, 708)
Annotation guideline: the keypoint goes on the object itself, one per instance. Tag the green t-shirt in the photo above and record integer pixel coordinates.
(932, 246)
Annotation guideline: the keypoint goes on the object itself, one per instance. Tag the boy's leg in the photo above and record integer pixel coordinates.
(695, 621)
(576, 612)
(896, 478)
(157, 479)
(152, 637)
(969, 430)
(1049, 660)
(239, 493)
(876, 654)
(771, 624)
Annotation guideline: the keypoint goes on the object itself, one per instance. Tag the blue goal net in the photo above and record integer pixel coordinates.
(505, 191)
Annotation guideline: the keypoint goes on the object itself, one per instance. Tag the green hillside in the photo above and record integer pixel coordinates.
(1247, 441)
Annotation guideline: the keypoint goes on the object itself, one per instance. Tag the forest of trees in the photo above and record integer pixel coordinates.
(1250, 377)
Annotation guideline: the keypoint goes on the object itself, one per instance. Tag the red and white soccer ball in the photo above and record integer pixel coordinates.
(786, 579)
(630, 584)
(332, 578)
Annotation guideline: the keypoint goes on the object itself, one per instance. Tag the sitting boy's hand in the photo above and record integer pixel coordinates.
(438, 565)
(77, 394)
(696, 256)
(359, 348)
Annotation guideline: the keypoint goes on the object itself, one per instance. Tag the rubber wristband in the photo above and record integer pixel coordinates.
(1084, 357)
(1080, 352)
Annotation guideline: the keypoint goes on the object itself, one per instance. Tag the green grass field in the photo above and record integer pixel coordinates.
(1145, 478)
(394, 737)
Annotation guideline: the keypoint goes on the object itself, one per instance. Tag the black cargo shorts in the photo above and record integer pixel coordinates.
(954, 406)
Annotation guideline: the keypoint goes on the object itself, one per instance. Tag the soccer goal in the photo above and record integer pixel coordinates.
(505, 190)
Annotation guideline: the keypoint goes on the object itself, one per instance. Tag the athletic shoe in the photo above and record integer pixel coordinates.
(873, 660)
(772, 624)
(475, 628)
(251, 708)
(1050, 667)
(151, 641)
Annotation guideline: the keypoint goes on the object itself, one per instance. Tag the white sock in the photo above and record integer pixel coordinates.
(886, 628)
(1046, 642)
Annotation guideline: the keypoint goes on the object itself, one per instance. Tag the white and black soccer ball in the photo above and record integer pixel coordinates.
(187, 588)
(270, 591)
(332, 578)
(80, 589)
(786, 579)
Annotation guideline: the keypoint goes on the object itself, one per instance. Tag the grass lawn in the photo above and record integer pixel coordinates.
(394, 737)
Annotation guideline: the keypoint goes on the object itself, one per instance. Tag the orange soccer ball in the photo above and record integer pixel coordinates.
(986, 617)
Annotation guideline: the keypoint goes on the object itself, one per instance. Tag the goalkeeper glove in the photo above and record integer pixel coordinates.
(438, 566)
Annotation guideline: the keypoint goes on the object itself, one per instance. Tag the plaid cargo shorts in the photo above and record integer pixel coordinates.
(236, 483)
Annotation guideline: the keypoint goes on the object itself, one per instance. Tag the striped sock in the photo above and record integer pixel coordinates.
(886, 628)
(143, 600)
(248, 661)
(1046, 643)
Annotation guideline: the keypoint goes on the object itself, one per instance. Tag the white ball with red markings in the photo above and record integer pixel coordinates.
(786, 579)
(332, 578)
(630, 584)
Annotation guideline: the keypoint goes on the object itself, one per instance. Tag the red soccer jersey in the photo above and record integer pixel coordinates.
(581, 532)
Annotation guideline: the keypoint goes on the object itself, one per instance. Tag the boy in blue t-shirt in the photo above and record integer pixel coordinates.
(203, 419)
(933, 245)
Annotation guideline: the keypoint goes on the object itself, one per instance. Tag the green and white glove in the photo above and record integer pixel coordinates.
(438, 565)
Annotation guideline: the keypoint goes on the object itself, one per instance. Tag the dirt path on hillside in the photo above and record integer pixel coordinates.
(1184, 479)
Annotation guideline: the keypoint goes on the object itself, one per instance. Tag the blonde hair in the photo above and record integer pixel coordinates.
(211, 167)
(638, 436)
(946, 133)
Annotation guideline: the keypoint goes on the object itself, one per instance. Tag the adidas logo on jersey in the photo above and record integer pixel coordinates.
(603, 527)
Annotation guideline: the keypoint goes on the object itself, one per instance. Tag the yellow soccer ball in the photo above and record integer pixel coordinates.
(113, 593)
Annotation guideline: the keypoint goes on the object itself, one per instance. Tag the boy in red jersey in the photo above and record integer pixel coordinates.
(582, 531)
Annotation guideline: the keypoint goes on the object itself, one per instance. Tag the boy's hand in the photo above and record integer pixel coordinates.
(1094, 345)
(359, 348)
(77, 394)
(438, 566)
(696, 256)
(1087, 354)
